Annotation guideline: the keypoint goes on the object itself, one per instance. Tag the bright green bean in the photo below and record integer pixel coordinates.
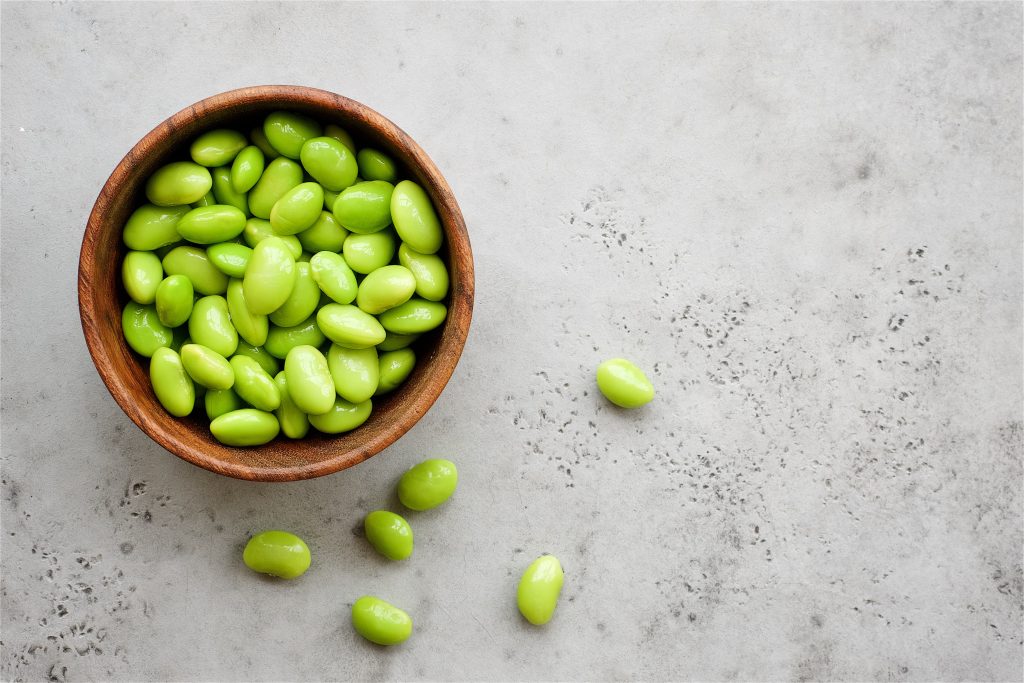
(280, 176)
(385, 288)
(217, 147)
(375, 165)
(395, 368)
(245, 427)
(537, 595)
(428, 484)
(414, 316)
(251, 327)
(330, 163)
(355, 372)
(193, 263)
(277, 553)
(151, 227)
(143, 330)
(366, 253)
(210, 325)
(230, 258)
(211, 224)
(623, 383)
(334, 277)
(428, 269)
(180, 182)
(253, 385)
(303, 300)
(281, 340)
(350, 327)
(342, 417)
(174, 298)
(380, 622)
(141, 273)
(415, 220)
(207, 367)
(172, 385)
(294, 423)
(287, 131)
(246, 169)
(309, 380)
(270, 277)
(389, 534)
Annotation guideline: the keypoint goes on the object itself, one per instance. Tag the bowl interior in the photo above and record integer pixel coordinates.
(101, 297)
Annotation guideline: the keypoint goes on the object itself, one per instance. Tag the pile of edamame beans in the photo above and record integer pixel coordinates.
(287, 247)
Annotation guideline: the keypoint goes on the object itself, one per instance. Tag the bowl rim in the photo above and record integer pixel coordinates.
(460, 302)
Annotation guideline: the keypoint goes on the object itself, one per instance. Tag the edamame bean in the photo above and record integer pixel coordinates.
(224, 192)
(217, 147)
(414, 316)
(174, 298)
(329, 199)
(141, 274)
(220, 401)
(623, 383)
(151, 227)
(342, 417)
(280, 176)
(207, 367)
(172, 385)
(260, 355)
(277, 553)
(429, 271)
(181, 182)
(302, 302)
(415, 219)
(246, 169)
(294, 423)
(366, 253)
(341, 135)
(365, 207)
(194, 264)
(281, 340)
(258, 229)
(385, 288)
(245, 427)
(287, 131)
(260, 140)
(389, 534)
(428, 484)
(210, 325)
(211, 224)
(350, 327)
(395, 368)
(380, 622)
(297, 209)
(537, 595)
(335, 279)
(393, 342)
(330, 163)
(230, 258)
(253, 385)
(206, 200)
(251, 327)
(375, 165)
(355, 372)
(143, 330)
(324, 235)
(309, 380)
(270, 277)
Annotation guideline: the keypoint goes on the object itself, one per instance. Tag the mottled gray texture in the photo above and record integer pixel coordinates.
(803, 220)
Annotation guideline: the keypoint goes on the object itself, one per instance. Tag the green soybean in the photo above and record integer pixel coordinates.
(281, 340)
(210, 325)
(309, 380)
(143, 330)
(334, 277)
(277, 553)
(342, 417)
(394, 368)
(623, 383)
(174, 298)
(366, 253)
(415, 220)
(297, 209)
(230, 258)
(294, 423)
(260, 140)
(225, 193)
(330, 162)
(181, 182)
(350, 327)
(324, 235)
(259, 229)
(380, 622)
(151, 227)
(365, 207)
(287, 131)
(193, 263)
(211, 224)
(245, 427)
(393, 342)
(389, 534)
(270, 277)
(253, 385)
(141, 273)
(280, 176)
(539, 587)
(302, 301)
(172, 385)
(220, 401)
(207, 367)
(329, 199)
(217, 147)
(206, 200)
(375, 165)
(341, 135)
(246, 169)
(414, 316)
(385, 288)
(356, 372)
(253, 328)
(260, 355)
(428, 484)
(429, 271)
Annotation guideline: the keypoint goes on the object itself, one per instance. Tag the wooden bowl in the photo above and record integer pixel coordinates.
(101, 297)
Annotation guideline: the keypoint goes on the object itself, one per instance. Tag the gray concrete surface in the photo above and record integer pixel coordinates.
(803, 220)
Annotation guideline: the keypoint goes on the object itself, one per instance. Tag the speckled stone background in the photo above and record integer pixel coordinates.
(803, 220)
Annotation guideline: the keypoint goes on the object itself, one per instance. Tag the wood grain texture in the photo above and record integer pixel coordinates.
(100, 296)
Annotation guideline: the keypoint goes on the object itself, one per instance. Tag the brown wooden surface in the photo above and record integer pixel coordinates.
(100, 295)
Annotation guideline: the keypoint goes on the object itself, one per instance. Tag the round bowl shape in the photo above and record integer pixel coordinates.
(101, 297)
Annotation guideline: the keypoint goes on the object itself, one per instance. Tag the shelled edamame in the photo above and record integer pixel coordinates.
(288, 244)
